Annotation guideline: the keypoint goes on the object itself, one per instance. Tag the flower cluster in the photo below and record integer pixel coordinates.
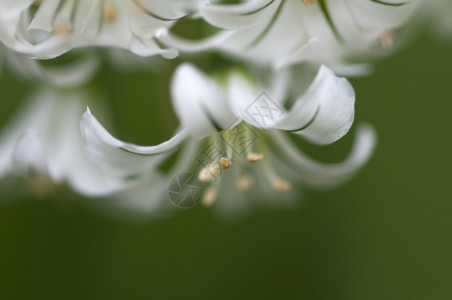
(238, 126)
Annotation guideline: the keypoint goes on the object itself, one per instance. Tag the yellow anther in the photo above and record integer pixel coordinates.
(209, 173)
(210, 197)
(281, 185)
(254, 157)
(244, 183)
(225, 163)
(308, 2)
(110, 12)
(61, 30)
(387, 38)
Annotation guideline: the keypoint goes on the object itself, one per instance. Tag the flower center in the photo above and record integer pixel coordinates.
(240, 151)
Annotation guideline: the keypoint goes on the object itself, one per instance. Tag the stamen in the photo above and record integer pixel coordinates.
(210, 197)
(225, 163)
(61, 30)
(209, 173)
(308, 2)
(281, 185)
(387, 38)
(110, 12)
(254, 157)
(244, 183)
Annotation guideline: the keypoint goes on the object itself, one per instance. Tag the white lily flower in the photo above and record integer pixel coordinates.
(323, 114)
(49, 28)
(43, 141)
(46, 29)
(332, 32)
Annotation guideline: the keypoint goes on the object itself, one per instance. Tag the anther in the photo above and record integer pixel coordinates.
(244, 183)
(210, 197)
(281, 185)
(209, 173)
(110, 12)
(387, 38)
(225, 163)
(308, 2)
(61, 30)
(254, 157)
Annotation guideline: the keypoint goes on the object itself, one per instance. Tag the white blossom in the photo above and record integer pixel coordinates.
(211, 114)
(42, 140)
(284, 32)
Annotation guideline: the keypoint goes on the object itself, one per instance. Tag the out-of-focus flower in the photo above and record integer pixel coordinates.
(46, 29)
(248, 141)
(42, 144)
(285, 32)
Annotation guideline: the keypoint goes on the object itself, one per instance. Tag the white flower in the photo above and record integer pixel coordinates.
(49, 28)
(43, 141)
(323, 114)
(46, 29)
(285, 32)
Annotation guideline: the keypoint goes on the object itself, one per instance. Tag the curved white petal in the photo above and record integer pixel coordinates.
(199, 102)
(119, 158)
(241, 15)
(322, 174)
(68, 162)
(187, 45)
(325, 112)
(382, 14)
(149, 47)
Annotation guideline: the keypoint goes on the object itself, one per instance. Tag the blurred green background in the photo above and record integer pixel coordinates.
(385, 235)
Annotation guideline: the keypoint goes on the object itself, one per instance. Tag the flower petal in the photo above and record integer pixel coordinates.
(119, 158)
(200, 103)
(241, 15)
(325, 112)
(322, 174)
(382, 14)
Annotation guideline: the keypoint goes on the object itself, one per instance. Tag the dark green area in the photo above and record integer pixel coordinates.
(385, 235)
